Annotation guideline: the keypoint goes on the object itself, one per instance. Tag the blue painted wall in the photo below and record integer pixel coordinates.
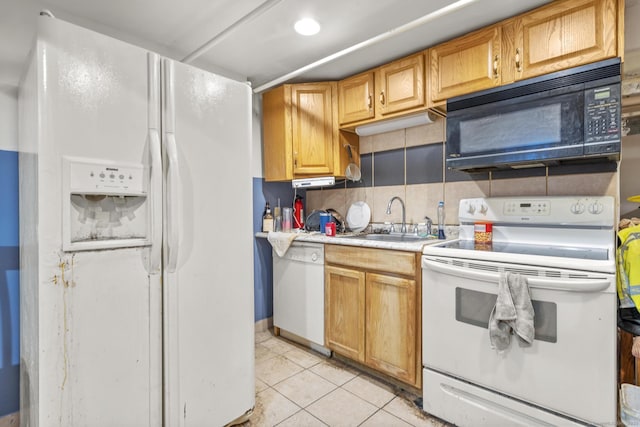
(9, 284)
(262, 266)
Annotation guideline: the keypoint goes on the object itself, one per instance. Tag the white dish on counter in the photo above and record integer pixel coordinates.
(358, 216)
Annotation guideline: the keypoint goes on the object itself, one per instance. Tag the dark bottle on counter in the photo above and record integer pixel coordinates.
(267, 219)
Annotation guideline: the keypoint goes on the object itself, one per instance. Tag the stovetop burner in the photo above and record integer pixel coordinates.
(573, 232)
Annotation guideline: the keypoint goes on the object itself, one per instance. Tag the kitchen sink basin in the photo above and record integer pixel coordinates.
(394, 237)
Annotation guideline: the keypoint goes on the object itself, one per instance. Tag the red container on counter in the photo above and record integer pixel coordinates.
(330, 229)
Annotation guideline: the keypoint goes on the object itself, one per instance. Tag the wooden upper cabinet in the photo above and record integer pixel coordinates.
(561, 35)
(466, 64)
(355, 98)
(300, 132)
(400, 85)
(313, 130)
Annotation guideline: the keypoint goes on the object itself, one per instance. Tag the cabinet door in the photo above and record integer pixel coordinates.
(563, 35)
(466, 64)
(313, 131)
(344, 311)
(400, 85)
(355, 98)
(391, 323)
(276, 134)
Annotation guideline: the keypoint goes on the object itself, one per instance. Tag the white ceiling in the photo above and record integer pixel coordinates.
(265, 47)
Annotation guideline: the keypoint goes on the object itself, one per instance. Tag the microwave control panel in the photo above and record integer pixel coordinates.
(602, 119)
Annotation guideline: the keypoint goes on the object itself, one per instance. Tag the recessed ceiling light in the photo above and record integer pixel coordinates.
(307, 27)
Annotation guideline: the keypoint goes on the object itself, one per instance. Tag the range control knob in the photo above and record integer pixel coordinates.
(483, 209)
(471, 209)
(577, 208)
(596, 208)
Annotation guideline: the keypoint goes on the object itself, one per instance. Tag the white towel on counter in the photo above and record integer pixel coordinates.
(513, 312)
(280, 241)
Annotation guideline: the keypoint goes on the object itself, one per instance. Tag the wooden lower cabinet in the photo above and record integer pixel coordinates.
(344, 317)
(390, 331)
(373, 309)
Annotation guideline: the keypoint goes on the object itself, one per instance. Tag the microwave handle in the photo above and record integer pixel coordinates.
(556, 284)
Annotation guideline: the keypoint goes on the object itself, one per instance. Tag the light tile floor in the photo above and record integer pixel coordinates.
(298, 387)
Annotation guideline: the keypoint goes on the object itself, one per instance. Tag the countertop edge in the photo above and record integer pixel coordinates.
(316, 237)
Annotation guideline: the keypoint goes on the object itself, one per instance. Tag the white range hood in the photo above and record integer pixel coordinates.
(323, 181)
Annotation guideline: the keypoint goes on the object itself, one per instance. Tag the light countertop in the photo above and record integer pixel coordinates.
(348, 240)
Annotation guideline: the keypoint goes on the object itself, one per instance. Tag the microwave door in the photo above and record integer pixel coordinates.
(529, 129)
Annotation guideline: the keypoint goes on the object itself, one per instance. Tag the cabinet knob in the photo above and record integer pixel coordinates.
(369, 101)
(495, 67)
(518, 63)
(382, 97)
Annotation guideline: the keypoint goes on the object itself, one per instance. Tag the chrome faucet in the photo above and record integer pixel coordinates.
(403, 228)
(429, 224)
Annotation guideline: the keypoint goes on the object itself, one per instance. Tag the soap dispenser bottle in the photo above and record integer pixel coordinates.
(441, 220)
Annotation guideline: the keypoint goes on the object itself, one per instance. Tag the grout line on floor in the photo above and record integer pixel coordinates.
(395, 390)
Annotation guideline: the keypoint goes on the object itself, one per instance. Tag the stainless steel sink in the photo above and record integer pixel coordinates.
(393, 237)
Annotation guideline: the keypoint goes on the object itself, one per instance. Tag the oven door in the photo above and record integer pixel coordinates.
(571, 367)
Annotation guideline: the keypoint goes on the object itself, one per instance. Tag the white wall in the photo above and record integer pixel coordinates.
(8, 118)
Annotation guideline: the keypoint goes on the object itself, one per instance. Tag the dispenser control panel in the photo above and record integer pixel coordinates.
(105, 204)
(105, 178)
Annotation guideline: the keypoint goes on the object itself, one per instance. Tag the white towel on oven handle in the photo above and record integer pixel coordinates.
(523, 325)
(513, 311)
(502, 316)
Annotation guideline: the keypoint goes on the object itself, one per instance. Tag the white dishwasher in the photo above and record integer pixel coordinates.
(298, 291)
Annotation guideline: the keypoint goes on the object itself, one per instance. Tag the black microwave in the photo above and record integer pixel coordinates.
(564, 117)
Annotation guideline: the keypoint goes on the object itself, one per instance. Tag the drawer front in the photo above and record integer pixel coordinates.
(388, 261)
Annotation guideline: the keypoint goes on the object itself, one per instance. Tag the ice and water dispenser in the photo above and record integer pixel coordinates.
(105, 205)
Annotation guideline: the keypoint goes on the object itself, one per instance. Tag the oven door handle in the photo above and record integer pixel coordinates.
(556, 284)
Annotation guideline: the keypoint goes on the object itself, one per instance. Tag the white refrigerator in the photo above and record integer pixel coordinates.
(136, 237)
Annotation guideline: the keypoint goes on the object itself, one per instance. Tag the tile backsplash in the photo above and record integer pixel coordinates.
(409, 163)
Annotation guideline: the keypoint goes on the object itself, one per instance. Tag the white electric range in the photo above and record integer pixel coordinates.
(565, 247)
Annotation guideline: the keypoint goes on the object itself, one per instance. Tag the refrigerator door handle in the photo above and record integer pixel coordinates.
(155, 159)
(173, 202)
(156, 201)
